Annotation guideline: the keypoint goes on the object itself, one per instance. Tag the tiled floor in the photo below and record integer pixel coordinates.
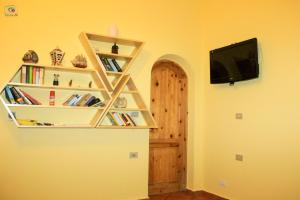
(186, 195)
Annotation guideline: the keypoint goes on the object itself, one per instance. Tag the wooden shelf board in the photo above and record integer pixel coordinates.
(110, 39)
(114, 73)
(54, 87)
(58, 126)
(128, 109)
(124, 127)
(62, 68)
(130, 92)
(116, 56)
(47, 106)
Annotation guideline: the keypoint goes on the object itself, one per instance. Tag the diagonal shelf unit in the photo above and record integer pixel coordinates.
(98, 48)
(29, 115)
(28, 95)
(134, 115)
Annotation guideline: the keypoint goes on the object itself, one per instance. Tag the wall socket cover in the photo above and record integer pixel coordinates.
(133, 155)
(239, 115)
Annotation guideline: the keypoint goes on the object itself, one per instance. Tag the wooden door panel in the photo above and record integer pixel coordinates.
(164, 160)
(167, 153)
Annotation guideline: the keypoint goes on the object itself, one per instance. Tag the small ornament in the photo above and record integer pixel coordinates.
(70, 83)
(52, 98)
(30, 57)
(57, 56)
(79, 61)
(90, 84)
(115, 48)
(55, 80)
(121, 102)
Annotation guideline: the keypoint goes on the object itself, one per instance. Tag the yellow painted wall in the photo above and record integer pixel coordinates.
(268, 136)
(80, 164)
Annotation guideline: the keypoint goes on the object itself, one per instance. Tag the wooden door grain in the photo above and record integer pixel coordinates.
(167, 153)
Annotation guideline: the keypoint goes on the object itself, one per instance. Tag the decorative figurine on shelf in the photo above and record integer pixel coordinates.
(57, 56)
(70, 83)
(55, 80)
(121, 102)
(90, 84)
(30, 57)
(79, 61)
(115, 48)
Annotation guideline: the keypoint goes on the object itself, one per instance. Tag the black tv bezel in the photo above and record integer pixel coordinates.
(231, 80)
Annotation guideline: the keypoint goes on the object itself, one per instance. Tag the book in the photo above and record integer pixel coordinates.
(104, 64)
(33, 100)
(27, 74)
(118, 119)
(33, 75)
(74, 101)
(130, 118)
(18, 98)
(125, 119)
(83, 100)
(66, 103)
(117, 65)
(41, 79)
(23, 74)
(9, 96)
(98, 104)
(26, 100)
(37, 76)
(112, 64)
(107, 64)
(89, 100)
(30, 74)
(112, 119)
(96, 100)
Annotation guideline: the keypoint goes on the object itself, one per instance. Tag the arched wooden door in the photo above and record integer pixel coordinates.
(167, 159)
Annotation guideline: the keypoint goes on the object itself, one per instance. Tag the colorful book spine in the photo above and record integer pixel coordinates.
(33, 75)
(27, 73)
(33, 100)
(112, 64)
(130, 118)
(23, 74)
(42, 74)
(18, 98)
(118, 119)
(117, 65)
(87, 103)
(37, 75)
(26, 100)
(30, 74)
(66, 103)
(112, 119)
(9, 95)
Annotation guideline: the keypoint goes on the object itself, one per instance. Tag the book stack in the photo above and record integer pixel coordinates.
(86, 100)
(17, 96)
(32, 75)
(110, 64)
(120, 119)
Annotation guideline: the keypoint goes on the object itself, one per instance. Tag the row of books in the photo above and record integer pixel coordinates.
(32, 75)
(83, 100)
(120, 119)
(15, 95)
(110, 64)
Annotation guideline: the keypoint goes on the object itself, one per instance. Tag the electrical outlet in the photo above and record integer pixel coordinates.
(239, 157)
(133, 155)
(238, 115)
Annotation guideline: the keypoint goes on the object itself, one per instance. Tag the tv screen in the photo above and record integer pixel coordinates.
(236, 62)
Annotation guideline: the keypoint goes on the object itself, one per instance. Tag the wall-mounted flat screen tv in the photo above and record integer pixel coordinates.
(236, 62)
